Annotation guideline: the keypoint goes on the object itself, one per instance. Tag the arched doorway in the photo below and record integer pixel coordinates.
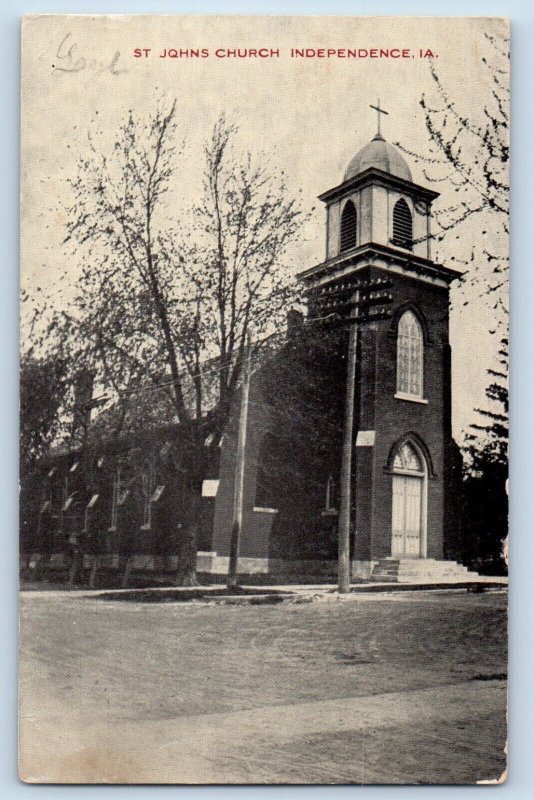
(409, 490)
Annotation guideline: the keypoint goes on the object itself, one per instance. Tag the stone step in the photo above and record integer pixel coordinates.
(408, 568)
(387, 569)
(430, 580)
(422, 564)
(424, 570)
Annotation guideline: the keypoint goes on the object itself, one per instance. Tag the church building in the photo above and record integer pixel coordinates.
(404, 462)
(391, 370)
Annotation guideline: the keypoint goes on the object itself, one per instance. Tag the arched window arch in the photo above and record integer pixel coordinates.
(410, 356)
(348, 227)
(402, 225)
(408, 459)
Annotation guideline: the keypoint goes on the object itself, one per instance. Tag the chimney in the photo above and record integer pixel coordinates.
(295, 321)
(83, 401)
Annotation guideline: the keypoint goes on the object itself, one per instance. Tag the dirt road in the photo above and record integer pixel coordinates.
(395, 689)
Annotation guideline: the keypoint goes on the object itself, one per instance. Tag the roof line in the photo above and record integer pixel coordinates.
(373, 172)
(332, 264)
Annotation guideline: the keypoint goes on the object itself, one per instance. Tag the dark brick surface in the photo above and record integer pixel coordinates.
(376, 408)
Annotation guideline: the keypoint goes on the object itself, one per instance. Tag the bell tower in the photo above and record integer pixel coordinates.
(387, 212)
(378, 225)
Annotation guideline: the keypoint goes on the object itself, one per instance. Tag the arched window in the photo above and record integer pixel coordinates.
(402, 225)
(348, 227)
(410, 356)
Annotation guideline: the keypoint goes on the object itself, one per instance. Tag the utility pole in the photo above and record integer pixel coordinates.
(239, 481)
(355, 303)
(346, 461)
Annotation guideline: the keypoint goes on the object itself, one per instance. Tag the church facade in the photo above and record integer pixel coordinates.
(378, 226)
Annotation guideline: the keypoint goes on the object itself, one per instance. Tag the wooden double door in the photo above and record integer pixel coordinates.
(408, 504)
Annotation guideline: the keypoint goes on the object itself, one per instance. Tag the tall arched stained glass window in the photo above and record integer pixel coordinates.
(402, 225)
(348, 227)
(410, 356)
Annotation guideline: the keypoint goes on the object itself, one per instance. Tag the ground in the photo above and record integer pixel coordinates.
(384, 688)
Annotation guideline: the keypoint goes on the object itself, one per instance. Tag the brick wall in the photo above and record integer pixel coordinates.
(392, 418)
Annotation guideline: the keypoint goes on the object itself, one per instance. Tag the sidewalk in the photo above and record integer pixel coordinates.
(252, 594)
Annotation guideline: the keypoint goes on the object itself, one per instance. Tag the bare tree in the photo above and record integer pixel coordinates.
(163, 306)
(469, 154)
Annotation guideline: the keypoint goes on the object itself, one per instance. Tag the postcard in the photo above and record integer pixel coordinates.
(264, 399)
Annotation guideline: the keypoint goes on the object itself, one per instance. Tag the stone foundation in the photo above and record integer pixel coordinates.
(209, 562)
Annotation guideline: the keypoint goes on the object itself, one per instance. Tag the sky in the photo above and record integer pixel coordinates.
(305, 116)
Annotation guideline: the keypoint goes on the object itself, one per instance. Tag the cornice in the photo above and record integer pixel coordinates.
(377, 177)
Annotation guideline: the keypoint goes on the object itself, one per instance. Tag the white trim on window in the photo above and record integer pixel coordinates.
(411, 398)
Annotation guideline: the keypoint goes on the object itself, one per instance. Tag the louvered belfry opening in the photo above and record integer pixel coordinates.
(348, 227)
(402, 225)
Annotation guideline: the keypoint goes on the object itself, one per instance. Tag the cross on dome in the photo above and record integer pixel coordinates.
(378, 112)
(379, 154)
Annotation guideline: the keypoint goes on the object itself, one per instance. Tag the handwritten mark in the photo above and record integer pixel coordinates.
(68, 60)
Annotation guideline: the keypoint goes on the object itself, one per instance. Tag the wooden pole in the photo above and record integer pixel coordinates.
(346, 462)
(239, 481)
(94, 571)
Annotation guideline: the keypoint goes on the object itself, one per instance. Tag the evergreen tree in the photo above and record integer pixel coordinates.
(485, 478)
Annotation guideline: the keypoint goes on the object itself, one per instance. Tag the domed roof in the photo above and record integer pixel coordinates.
(380, 155)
